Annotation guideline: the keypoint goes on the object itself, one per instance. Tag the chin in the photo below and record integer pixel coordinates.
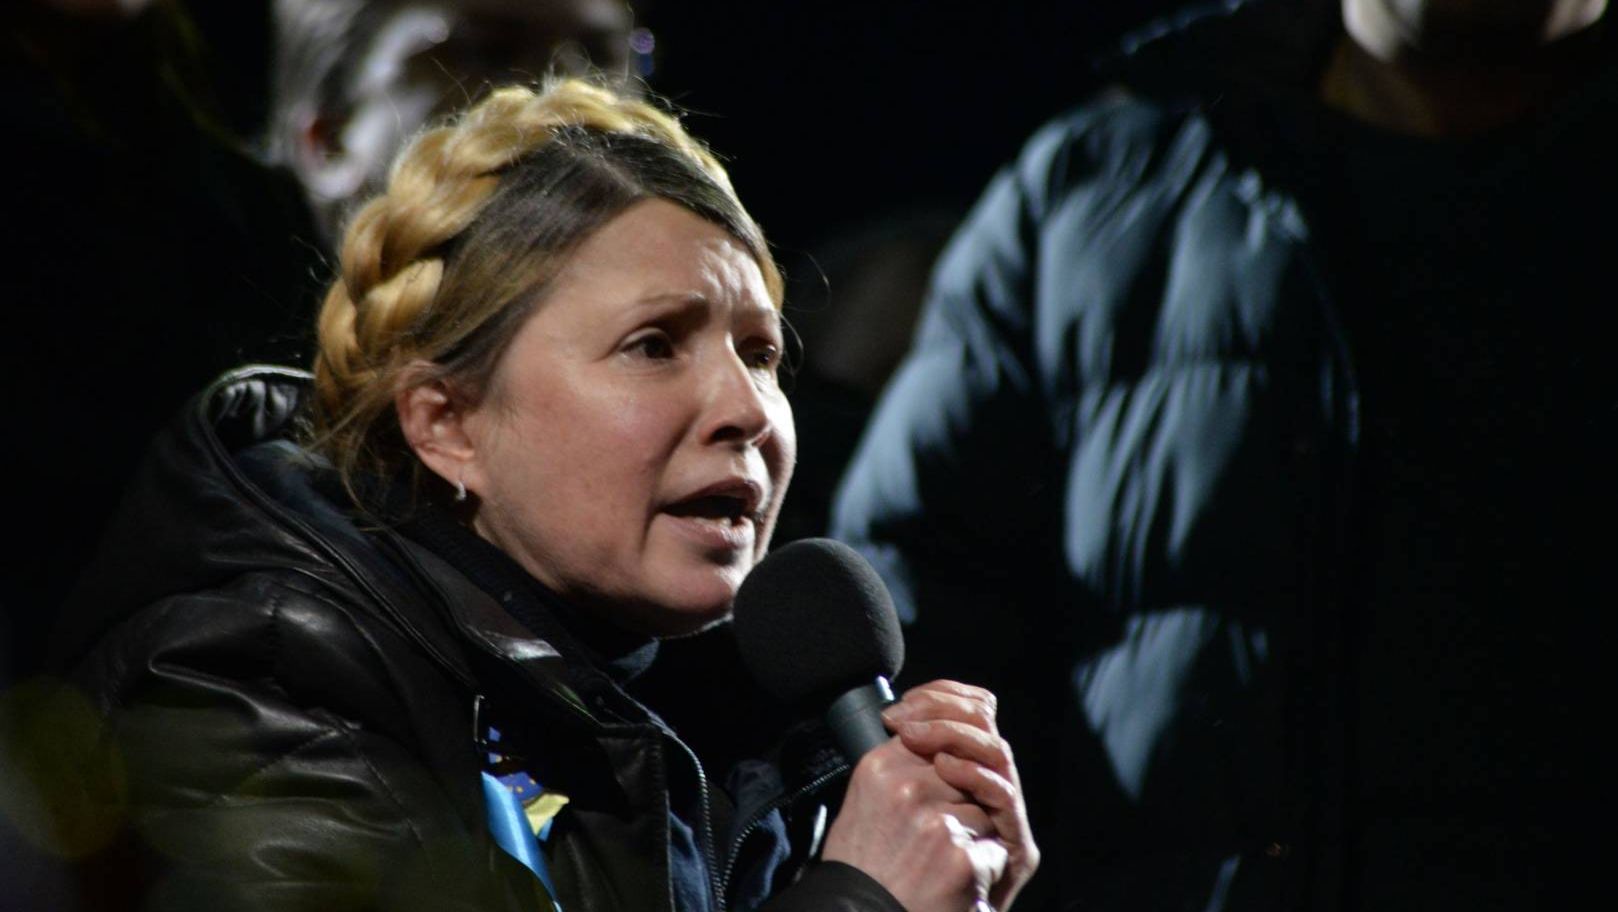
(689, 603)
(663, 621)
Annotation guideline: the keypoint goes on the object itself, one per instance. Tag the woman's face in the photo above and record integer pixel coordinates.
(635, 444)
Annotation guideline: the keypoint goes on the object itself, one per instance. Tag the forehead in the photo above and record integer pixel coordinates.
(658, 248)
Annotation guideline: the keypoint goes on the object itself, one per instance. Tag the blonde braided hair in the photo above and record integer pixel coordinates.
(477, 217)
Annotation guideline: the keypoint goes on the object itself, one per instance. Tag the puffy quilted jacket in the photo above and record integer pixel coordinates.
(1111, 478)
(1128, 475)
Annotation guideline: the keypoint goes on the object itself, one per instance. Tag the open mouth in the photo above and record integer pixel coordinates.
(732, 502)
(728, 508)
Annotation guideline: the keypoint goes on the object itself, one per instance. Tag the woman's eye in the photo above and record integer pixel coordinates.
(766, 356)
(653, 345)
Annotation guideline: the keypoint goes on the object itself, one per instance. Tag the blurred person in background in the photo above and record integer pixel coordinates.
(353, 79)
(1255, 435)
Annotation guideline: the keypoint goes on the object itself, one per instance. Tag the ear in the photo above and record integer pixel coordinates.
(435, 426)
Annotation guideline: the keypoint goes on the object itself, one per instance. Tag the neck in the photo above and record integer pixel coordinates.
(1444, 79)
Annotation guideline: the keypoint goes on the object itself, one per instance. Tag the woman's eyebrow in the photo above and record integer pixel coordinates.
(683, 308)
(691, 305)
(662, 298)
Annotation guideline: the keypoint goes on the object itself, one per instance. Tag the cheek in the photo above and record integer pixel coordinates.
(786, 441)
(611, 450)
(780, 458)
(640, 433)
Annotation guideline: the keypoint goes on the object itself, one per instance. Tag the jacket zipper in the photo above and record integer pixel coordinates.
(734, 855)
(708, 854)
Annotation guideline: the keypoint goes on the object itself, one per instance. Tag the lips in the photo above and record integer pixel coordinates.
(731, 500)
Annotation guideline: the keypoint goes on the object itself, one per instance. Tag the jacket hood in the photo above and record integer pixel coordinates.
(190, 518)
(223, 492)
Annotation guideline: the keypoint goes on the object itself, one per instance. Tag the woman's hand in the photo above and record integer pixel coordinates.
(953, 724)
(936, 815)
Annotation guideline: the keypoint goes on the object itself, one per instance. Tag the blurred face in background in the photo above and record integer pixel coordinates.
(1472, 30)
(409, 63)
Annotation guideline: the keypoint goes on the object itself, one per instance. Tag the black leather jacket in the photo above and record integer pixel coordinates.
(293, 700)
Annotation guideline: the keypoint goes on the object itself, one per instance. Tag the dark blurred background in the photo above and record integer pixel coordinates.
(833, 112)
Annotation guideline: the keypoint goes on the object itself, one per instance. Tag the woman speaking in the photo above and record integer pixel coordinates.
(390, 637)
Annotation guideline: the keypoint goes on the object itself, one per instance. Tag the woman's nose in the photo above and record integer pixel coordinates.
(737, 407)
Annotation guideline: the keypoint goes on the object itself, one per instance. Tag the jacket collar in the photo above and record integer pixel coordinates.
(1262, 48)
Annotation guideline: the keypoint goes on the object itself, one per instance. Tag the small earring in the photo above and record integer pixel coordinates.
(460, 490)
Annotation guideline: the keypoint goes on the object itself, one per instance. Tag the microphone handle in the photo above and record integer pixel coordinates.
(855, 718)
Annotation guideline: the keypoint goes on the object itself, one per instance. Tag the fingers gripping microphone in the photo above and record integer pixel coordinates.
(816, 627)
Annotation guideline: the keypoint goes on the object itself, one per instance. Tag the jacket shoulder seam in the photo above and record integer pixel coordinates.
(329, 731)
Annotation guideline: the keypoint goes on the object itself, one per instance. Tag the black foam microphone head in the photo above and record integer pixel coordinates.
(814, 620)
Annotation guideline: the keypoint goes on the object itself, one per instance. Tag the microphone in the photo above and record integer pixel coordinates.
(816, 627)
